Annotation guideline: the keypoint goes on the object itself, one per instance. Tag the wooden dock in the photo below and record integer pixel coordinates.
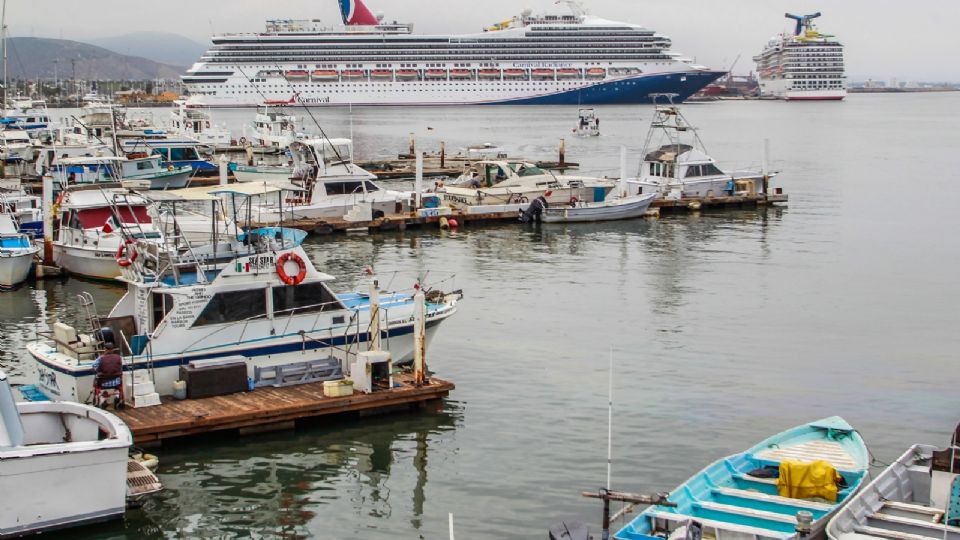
(392, 222)
(268, 408)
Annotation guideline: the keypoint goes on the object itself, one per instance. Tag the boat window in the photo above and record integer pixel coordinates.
(527, 170)
(233, 306)
(343, 188)
(183, 154)
(91, 218)
(693, 170)
(372, 187)
(146, 164)
(162, 304)
(304, 298)
(709, 170)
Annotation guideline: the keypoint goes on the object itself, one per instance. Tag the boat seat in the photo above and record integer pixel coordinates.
(682, 519)
(830, 451)
(748, 478)
(757, 496)
(939, 528)
(935, 513)
(892, 535)
(751, 512)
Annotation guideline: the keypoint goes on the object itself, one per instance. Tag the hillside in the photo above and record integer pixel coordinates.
(30, 58)
(163, 47)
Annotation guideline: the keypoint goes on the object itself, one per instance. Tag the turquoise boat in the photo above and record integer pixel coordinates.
(737, 497)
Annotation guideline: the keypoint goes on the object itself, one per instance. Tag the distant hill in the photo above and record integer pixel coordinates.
(163, 47)
(30, 58)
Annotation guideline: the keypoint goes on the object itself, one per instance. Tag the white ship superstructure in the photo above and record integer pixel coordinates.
(806, 65)
(529, 59)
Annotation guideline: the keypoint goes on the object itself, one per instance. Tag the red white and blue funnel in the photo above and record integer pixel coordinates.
(355, 13)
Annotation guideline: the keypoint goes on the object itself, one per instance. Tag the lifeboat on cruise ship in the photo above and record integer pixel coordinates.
(406, 74)
(596, 73)
(489, 73)
(436, 74)
(296, 75)
(461, 74)
(324, 75)
(381, 74)
(568, 73)
(543, 73)
(514, 74)
(351, 74)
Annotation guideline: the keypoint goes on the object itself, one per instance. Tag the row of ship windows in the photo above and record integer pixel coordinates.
(445, 46)
(376, 86)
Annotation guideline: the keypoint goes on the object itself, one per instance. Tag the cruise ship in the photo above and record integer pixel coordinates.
(806, 65)
(560, 59)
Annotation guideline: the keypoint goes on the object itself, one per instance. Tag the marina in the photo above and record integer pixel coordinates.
(271, 309)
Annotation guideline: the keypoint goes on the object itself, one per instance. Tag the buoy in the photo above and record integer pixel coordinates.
(694, 205)
(452, 223)
(443, 223)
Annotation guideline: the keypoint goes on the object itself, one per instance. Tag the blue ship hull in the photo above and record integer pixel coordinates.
(630, 91)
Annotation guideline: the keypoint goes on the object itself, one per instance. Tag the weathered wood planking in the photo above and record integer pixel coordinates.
(267, 405)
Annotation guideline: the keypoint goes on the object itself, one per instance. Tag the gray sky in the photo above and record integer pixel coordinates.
(914, 40)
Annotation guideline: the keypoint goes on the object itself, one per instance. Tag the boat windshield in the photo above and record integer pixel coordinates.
(530, 170)
(91, 218)
(372, 187)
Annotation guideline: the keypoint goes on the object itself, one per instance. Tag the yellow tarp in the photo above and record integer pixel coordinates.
(808, 480)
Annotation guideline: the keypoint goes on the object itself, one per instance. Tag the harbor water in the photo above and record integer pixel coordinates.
(724, 327)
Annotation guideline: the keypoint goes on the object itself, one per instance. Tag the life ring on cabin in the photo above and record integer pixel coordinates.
(243, 141)
(282, 272)
(574, 200)
(207, 123)
(171, 168)
(124, 257)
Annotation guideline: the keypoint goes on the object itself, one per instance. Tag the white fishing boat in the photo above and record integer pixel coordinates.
(273, 128)
(258, 298)
(629, 207)
(486, 183)
(63, 465)
(146, 171)
(16, 146)
(26, 209)
(676, 164)
(333, 186)
(588, 125)
(16, 252)
(197, 123)
(917, 497)
(95, 222)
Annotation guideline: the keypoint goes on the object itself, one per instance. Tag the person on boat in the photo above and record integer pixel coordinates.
(108, 368)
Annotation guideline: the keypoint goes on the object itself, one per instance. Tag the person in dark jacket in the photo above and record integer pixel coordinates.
(108, 368)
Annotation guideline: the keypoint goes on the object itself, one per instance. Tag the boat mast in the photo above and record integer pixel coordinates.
(3, 31)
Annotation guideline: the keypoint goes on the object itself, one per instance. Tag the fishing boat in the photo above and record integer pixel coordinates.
(629, 207)
(503, 182)
(272, 128)
(197, 123)
(676, 164)
(63, 465)
(786, 487)
(146, 171)
(26, 209)
(588, 125)
(917, 497)
(257, 297)
(16, 252)
(177, 151)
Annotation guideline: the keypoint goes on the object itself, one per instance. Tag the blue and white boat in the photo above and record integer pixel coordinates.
(743, 496)
(258, 297)
(175, 152)
(16, 253)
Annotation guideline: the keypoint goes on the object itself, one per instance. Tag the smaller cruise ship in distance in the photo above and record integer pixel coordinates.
(806, 65)
(553, 59)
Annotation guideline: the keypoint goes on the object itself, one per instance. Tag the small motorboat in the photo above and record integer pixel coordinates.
(915, 498)
(16, 253)
(629, 207)
(786, 487)
(588, 125)
(64, 464)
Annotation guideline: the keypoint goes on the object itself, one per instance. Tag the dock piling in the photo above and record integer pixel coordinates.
(443, 154)
(563, 152)
(374, 315)
(419, 343)
(48, 220)
(224, 169)
(418, 183)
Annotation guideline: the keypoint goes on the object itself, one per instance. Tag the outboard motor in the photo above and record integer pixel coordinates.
(569, 531)
(534, 210)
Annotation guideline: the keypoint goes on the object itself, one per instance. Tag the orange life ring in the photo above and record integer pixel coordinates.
(574, 200)
(121, 255)
(282, 273)
(243, 140)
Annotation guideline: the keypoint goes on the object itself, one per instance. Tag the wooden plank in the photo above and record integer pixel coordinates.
(265, 406)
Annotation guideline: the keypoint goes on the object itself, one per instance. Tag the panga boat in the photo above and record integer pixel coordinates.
(64, 464)
(787, 486)
(620, 208)
(917, 497)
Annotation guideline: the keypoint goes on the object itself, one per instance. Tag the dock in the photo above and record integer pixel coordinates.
(272, 408)
(511, 212)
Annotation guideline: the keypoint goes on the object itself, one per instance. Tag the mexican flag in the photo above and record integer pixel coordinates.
(111, 225)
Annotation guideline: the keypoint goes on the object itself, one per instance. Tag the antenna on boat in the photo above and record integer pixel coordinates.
(610, 418)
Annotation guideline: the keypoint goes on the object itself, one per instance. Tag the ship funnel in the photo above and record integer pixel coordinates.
(354, 12)
(803, 21)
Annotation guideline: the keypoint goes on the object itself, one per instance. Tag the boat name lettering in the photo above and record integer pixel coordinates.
(308, 100)
(541, 65)
(455, 198)
(262, 262)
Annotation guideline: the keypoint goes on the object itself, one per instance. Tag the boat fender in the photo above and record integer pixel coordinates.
(444, 223)
(124, 257)
(282, 272)
(170, 168)
(452, 223)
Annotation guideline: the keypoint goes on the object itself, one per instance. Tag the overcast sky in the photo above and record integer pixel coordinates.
(911, 40)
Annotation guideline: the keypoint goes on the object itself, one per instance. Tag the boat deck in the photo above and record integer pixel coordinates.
(268, 408)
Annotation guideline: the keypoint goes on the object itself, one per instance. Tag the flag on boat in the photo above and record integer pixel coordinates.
(111, 224)
(355, 13)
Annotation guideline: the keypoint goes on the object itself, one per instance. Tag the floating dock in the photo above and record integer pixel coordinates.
(272, 408)
(511, 213)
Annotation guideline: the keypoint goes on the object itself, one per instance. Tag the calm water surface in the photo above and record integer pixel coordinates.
(725, 327)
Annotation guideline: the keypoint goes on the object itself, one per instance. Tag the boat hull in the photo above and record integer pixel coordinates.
(15, 267)
(91, 263)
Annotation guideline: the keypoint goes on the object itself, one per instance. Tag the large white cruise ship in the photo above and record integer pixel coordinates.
(806, 65)
(546, 60)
